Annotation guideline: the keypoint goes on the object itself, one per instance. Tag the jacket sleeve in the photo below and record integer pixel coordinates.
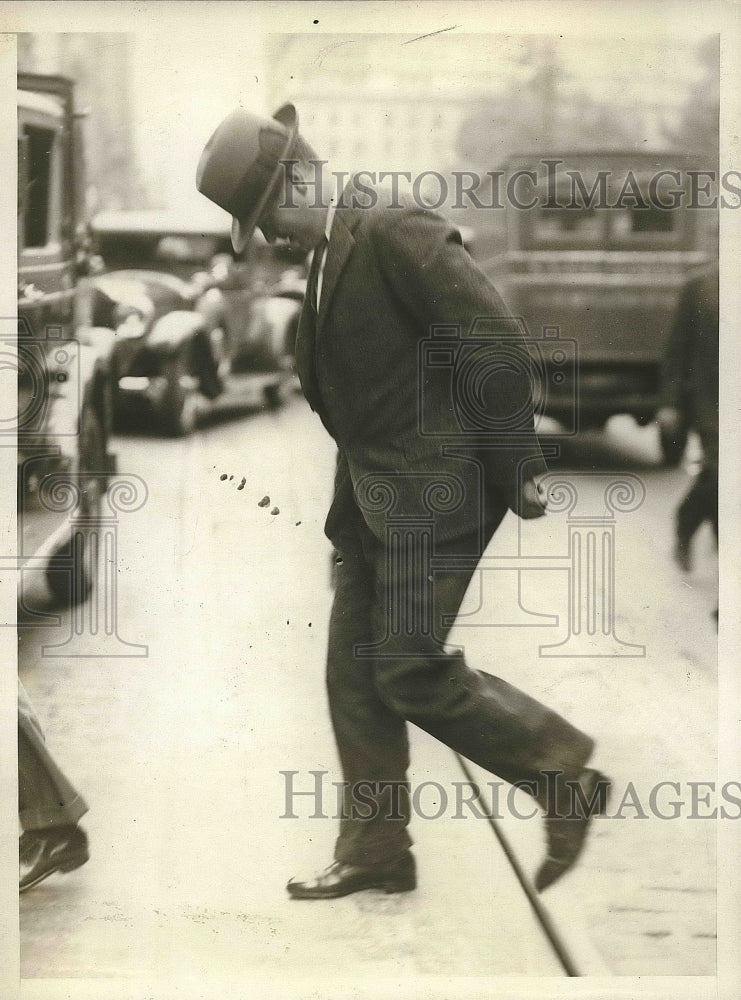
(426, 267)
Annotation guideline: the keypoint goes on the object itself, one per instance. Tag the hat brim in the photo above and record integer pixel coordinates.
(242, 229)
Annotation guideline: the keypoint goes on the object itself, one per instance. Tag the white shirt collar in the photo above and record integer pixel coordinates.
(330, 215)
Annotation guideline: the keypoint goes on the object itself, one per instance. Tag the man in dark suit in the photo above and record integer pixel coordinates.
(407, 354)
(689, 397)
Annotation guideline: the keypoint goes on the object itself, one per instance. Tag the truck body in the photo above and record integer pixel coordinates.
(599, 247)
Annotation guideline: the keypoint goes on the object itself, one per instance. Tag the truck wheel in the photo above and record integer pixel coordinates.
(72, 583)
(180, 406)
(673, 444)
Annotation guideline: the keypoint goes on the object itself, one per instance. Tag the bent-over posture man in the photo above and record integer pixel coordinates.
(427, 470)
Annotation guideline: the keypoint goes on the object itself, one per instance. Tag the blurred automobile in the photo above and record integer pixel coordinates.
(195, 325)
(63, 360)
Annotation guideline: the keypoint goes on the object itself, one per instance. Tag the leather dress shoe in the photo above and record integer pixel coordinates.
(567, 826)
(683, 554)
(28, 845)
(341, 879)
(44, 852)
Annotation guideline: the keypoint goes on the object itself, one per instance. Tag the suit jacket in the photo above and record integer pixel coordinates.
(419, 373)
(690, 374)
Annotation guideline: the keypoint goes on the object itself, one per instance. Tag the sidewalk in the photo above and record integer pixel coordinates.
(186, 880)
(180, 755)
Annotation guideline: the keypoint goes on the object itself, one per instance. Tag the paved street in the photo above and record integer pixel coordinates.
(179, 752)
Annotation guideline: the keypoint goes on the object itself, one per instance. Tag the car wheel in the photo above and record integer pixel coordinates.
(273, 396)
(211, 362)
(72, 583)
(673, 444)
(180, 406)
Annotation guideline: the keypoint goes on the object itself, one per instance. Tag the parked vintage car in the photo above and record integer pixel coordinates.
(193, 323)
(599, 247)
(63, 360)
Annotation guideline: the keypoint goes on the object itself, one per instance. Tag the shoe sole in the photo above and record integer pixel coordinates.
(389, 888)
(68, 865)
(602, 783)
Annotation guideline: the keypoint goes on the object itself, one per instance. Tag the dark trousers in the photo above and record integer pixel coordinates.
(700, 504)
(46, 798)
(386, 598)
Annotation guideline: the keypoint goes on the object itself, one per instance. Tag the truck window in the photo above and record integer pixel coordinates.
(36, 152)
(580, 224)
(629, 222)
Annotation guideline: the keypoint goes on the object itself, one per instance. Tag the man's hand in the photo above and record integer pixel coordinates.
(533, 501)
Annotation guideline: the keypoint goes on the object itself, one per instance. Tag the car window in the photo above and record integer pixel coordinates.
(36, 163)
(183, 249)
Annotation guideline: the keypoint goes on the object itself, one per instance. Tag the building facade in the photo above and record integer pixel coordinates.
(386, 102)
(100, 65)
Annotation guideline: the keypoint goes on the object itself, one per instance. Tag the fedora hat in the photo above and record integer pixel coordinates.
(240, 167)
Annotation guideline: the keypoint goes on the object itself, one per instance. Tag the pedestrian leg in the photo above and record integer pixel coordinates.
(371, 738)
(477, 714)
(49, 807)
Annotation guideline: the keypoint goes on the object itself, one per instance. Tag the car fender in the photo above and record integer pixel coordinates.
(273, 318)
(211, 306)
(173, 330)
(81, 376)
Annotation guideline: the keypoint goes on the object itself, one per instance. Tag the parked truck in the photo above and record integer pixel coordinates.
(599, 247)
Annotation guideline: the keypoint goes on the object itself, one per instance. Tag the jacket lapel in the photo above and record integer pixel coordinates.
(341, 243)
(339, 249)
(306, 337)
